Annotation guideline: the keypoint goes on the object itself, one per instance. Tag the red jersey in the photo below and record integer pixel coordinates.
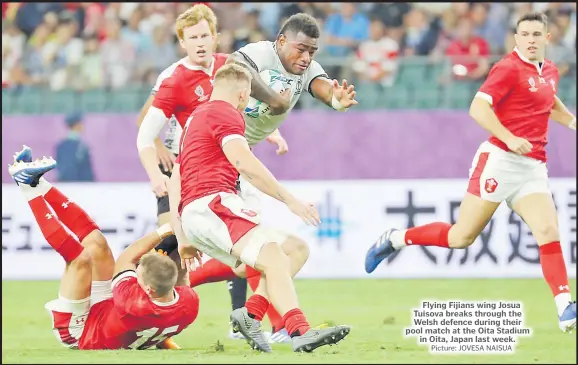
(182, 87)
(468, 54)
(132, 320)
(204, 167)
(522, 94)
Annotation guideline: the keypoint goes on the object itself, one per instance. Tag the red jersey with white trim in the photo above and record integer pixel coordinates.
(522, 93)
(182, 87)
(132, 320)
(204, 167)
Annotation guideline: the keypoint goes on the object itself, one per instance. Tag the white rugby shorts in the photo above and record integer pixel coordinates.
(497, 175)
(216, 222)
(69, 316)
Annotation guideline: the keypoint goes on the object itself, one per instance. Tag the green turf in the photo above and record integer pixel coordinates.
(378, 310)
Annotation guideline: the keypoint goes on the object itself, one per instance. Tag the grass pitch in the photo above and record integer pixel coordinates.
(377, 310)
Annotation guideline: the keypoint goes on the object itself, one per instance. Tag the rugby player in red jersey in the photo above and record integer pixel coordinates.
(214, 219)
(514, 104)
(180, 89)
(103, 304)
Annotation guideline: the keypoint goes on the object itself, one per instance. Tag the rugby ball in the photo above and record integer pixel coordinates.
(276, 81)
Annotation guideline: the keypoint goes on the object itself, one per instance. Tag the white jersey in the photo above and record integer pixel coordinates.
(263, 56)
(173, 134)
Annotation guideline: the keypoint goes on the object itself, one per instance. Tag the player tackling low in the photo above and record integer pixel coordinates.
(514, 104)
(291, 54)
(218, 222)
(103, 304)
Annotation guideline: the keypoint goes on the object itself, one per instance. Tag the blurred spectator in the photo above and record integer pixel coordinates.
(132, 33)
(33, 71)
(30, 15)
(118, 56)
(229, 15)
(564, 19)
(561, 55)
(435, 9)
(91, 19)
(345, 30)
(13, 42)
(52, 56)
(158, 55)
(63, 54)
(420, 34)
(491, 23)
(296, 8)
(151, 18)
(91, 67)
(519, 10)
(376, 58)
(269, 14)
(461, 9)
(448, 22)
(468, 52)
(73, 154)
(391, 14)
(250, 32)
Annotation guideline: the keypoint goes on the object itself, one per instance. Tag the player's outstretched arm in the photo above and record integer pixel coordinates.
(339, 97)
(129, 258)
(259, 89)
(561, 114)
(239, 155)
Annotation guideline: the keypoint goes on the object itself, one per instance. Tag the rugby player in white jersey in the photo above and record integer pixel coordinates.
(292, 55)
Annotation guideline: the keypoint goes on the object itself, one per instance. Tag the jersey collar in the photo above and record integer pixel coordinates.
(535, 63)
(166, 304)
(209, 71)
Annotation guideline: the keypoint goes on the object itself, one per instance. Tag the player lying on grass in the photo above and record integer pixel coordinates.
(209, 215)
(514, 104)
(103, 304)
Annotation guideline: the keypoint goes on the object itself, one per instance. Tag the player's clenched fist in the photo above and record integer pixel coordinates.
(306, 211)
(519, 145)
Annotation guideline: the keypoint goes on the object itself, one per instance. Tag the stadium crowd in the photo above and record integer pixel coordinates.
(111, 45)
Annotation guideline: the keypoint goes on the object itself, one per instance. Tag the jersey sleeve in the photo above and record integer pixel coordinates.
(167, 95)
(315, 71)
(226, 126)
(127, 295)
(498, 84)
(260, 55)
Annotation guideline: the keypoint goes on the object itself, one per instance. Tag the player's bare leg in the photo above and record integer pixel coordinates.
(539, 212)
(276, 285)
(474, 215)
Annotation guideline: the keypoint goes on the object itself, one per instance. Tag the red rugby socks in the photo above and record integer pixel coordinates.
(53, 230)
(433, 234)
(253, 277)
(554, 270)
(212, 271)
(73, 216)
(296, 323)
